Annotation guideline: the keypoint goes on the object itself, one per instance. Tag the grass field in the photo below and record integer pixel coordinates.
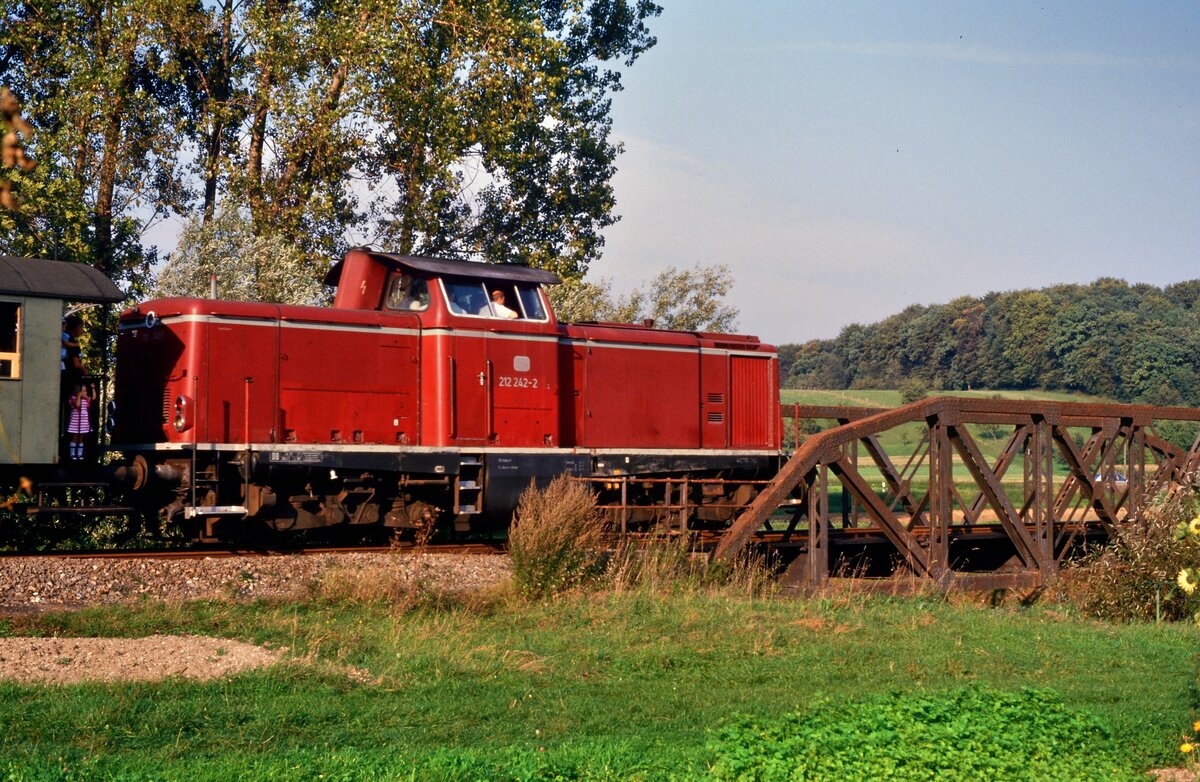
(902, 439)
(891, 398)
(609, 686)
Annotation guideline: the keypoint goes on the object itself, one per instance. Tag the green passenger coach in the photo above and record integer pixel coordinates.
(32, 295)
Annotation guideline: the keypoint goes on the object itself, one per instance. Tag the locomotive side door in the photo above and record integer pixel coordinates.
(471, 393)
(470, 402)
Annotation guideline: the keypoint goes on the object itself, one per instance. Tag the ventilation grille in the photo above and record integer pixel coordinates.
(716, 418)
(716, 399)
(168, 406)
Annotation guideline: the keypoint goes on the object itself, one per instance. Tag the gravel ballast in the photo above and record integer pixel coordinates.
(40, 583)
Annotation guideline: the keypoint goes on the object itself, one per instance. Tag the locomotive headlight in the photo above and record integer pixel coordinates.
(110, 419)
(183, 413)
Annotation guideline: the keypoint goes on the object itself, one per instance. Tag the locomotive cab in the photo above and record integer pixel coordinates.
(438, 287)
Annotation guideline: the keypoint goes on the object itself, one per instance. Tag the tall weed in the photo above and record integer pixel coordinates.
(557, 539)
(403, 582)
(677, 564)
(560, 540)
(1133, 578)
(390, 584)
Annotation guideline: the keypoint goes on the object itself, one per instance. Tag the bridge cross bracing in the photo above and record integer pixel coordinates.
(844, 509)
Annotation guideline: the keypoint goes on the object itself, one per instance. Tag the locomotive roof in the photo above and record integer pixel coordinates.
(46, 279)
(444, 267)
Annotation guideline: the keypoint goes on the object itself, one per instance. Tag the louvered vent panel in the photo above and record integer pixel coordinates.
(751, 396)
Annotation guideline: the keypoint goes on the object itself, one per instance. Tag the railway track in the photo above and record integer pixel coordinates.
(442, 549)
(67, 580)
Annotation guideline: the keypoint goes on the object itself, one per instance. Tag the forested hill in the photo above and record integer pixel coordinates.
(1134, 343)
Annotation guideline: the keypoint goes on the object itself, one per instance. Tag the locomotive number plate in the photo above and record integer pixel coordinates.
(508, 381)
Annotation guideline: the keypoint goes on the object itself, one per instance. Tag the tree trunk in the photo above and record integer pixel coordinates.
(218, 100)
(254, 161)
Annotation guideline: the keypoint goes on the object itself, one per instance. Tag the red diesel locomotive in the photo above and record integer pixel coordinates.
(431, 389)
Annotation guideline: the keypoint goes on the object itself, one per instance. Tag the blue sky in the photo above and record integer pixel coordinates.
(849, 159)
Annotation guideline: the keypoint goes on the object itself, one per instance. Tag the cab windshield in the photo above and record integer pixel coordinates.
(494, 299)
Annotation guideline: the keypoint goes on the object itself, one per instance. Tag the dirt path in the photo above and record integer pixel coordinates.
(70, 660)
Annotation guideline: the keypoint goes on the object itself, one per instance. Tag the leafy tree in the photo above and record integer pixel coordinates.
(101, 94)
(788, 356)
(494, 125)
(1185, 294)
(578, 301)
(41, 220)
(913, 391)
(448, 128)
(247, 266)
(451, 127)
(1023, 350)
(692, 299)
(679, 299)
(1109, 338)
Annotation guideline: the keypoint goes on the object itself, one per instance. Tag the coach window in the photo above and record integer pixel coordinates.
(407, 293)
(10, 340)
(531, 302)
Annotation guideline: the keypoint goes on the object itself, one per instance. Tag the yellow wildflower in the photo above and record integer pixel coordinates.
(1194, 526)
(1196, 727)
(1184, 579)
(1187, 747)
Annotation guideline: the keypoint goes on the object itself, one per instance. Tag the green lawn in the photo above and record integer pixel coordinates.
(608, 686)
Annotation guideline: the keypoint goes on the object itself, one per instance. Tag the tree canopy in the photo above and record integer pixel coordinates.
(684, 299)
(1134, 343)
(245, 266)
(451, 127)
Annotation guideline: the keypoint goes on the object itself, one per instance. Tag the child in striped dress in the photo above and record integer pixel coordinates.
(81, 420)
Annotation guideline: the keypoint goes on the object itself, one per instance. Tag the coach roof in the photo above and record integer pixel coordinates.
(55, 280)
(444, 267)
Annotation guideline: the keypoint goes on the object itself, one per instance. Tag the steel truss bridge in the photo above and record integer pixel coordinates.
(842, 510)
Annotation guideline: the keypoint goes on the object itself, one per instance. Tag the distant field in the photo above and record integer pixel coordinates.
(901, 441)
(880, 397)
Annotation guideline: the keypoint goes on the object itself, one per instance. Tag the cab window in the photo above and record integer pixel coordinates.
(10, 340)
(467, 297)
(407, 293)
(494, 299)
(531, 302)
